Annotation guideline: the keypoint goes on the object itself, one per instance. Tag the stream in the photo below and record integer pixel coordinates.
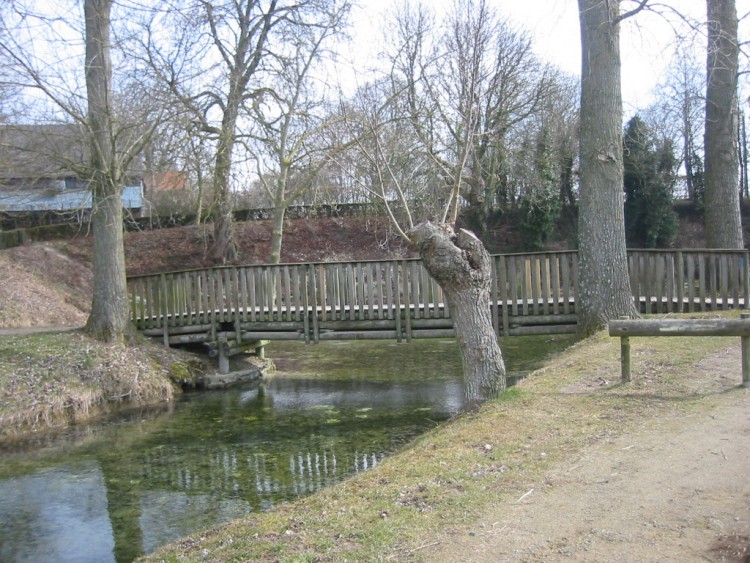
(119, 487)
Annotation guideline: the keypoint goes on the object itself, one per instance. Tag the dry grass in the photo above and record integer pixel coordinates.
(42, 287)
(447, 479)
(54, 379)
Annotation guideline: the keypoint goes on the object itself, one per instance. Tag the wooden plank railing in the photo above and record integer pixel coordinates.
(530, 293)
(689, 280)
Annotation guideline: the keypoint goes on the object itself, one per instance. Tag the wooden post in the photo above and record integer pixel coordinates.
(165, 309)
(745, 356)
(625, 357)
(396, 299)
(305, 294)
(313, 304)
(407, 299)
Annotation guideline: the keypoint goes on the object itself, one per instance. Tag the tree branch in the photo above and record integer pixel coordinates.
(641, 6)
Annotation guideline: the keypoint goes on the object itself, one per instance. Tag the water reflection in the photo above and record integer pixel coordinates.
(127, 486)
(74, 527)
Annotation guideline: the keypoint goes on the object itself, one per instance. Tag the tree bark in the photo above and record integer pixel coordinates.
(722, 197)
(280, 205)
(462, 267)
(109, 319)
(277, 234)
(603, 285)
(224, 248)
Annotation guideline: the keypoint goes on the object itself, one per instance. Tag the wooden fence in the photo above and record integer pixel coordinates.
(689, 280)
(530, 294)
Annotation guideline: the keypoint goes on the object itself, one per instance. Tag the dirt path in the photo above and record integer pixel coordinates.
(676, 489)
(35, 330)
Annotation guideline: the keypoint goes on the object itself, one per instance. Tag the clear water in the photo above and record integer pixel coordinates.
(118, 488)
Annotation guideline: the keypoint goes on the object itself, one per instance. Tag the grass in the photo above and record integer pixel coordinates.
(54, 379)
(444, 481)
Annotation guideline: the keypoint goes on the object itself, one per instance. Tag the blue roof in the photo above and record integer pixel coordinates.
(61, 200)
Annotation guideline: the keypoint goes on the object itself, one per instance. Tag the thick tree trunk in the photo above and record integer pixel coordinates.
(722, 198)
(603, 283)
(109, 319)
(462, 267)
(224, 249)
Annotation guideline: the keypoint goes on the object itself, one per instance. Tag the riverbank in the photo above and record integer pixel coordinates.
(563, 461)
(52, 379)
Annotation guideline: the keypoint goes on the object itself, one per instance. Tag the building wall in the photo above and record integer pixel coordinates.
(61, 199)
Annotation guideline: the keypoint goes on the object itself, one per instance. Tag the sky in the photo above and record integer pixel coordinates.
(645, 41)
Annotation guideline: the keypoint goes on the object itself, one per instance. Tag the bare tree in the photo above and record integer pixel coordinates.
(723, 220)
(466, 84)
(291, 118)
(215, 66)
(109, 319)
(402, 179)
(677, 114)
(110, 142)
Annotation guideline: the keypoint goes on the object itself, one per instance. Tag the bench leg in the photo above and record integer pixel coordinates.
(625, 358)
(745, 361)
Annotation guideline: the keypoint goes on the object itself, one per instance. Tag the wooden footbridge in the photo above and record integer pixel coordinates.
(234, 308)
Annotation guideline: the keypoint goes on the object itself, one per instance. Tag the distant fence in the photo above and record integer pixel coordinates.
(135, 220)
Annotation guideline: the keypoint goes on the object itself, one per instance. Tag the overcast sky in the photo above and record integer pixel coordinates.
(646, 41)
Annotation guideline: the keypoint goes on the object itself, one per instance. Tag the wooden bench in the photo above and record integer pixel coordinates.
(625, 328)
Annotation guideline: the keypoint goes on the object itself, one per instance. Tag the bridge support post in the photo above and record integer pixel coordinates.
(223, 355)
(224, 347)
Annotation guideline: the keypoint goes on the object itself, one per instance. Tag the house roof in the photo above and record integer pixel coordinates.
(46, 151)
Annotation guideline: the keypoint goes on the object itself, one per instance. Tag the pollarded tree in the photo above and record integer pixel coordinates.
(455, 258)
(461, 88)
(604, 289)
(723, 221)
(649, 179)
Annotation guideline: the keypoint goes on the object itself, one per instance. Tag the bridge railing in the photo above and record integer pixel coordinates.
(530, 293)
(689, 280)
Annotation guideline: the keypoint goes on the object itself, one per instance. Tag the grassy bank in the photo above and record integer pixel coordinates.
(444, 481)
(53, 379)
